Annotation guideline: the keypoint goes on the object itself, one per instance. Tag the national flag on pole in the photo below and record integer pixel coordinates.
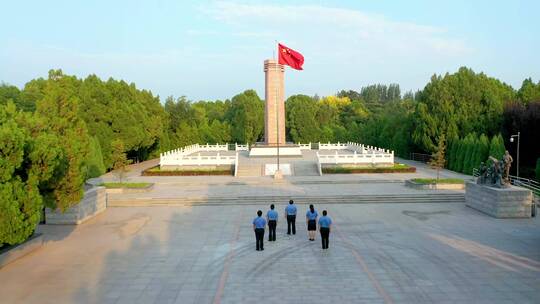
(290, 57)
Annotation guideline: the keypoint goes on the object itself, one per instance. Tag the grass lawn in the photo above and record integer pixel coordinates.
(125, 185)
(427, 181)
(156, 171)
(396, 168)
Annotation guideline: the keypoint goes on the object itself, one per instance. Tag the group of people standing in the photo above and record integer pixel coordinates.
(259, 224)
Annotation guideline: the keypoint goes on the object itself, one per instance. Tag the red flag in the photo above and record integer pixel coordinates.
(290, 57)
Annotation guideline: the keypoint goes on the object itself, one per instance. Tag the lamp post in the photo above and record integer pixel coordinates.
(512, 140)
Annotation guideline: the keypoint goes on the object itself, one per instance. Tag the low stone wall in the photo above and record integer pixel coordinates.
(12, 253)
(512, 202)
(270, 151)
(440, 186)
(130, 190)
(94, 202)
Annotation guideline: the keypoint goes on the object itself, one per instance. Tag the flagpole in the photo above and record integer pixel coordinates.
(277, 111)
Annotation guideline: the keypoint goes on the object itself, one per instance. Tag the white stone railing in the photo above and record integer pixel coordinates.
(356, 158)
(352, 146)
(238, 147)
(330, 146)
(362, 154)
(184, 157)
(365, 149)
(305, 146)
(198, 160)
(216, 147)
(236, 165)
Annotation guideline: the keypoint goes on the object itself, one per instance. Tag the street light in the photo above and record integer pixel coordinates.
(512, 140)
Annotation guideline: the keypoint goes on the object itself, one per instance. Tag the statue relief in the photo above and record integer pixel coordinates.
(498, 173)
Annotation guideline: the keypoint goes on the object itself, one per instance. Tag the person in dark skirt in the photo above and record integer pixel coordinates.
(258, 226)
(325, 223)
(290, 215)
(272, 217)
(311, 222)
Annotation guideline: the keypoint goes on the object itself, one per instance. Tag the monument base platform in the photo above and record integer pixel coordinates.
(512, 202)
(272, 150)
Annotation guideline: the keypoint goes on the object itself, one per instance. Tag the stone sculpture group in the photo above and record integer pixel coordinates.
(498, 173)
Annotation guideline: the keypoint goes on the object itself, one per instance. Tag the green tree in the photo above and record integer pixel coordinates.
(496, 147)
(438, 158)
(30, 159)
(470, 151)
(458, 104)
(451, 153)
(302, 126)
(33, 91)
(59, 108)
(460, 155)
(95, 159)
(246, 117)
(119, 159)
(529, 91)
(118, 110)
(537, 171)
(481, 151)
(8, 92)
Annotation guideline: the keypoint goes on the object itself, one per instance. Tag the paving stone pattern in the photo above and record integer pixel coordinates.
(406, 253)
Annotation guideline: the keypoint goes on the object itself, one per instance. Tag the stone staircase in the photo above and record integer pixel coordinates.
(305, 168)
(118, 201)
(251, 170)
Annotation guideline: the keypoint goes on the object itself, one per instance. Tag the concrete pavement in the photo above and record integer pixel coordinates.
(406, 253)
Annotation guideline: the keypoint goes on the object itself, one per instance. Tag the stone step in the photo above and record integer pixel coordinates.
(305, 168)
(250, 200)
(249, 170)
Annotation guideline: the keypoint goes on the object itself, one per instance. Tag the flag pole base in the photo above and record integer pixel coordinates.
(278, 175)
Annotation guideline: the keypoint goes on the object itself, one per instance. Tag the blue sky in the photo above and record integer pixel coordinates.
(215, 49)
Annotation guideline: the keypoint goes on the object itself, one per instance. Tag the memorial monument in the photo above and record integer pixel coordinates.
(274, 115)
(494, 194)
(275, 143)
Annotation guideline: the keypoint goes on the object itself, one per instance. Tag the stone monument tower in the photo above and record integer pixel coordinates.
(274, 117)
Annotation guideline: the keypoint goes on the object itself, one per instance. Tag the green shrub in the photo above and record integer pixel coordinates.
(481, 152)
(397, 168)
(95, 160)
(427, 181)
(460, 156)
(496, 147)
(538, 169)
(156, 171)
(27, 159)
(126, 185)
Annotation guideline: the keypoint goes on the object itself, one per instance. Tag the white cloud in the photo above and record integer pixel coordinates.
(344, 48)
(309, 25)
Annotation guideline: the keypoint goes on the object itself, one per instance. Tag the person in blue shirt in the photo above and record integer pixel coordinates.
(325, 223)
(258, 226)
(290, 214)
(272, 217)
(311, 222)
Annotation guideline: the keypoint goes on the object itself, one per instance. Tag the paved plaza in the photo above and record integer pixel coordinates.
(415, 251)
(330, 185)
(379, 253)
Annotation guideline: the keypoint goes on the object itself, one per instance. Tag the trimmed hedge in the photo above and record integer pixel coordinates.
(427, 181)
(126, 185)
(352, 170)
(155, 171)
(538, 170)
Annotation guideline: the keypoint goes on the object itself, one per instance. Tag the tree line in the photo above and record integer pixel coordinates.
(59, 131)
